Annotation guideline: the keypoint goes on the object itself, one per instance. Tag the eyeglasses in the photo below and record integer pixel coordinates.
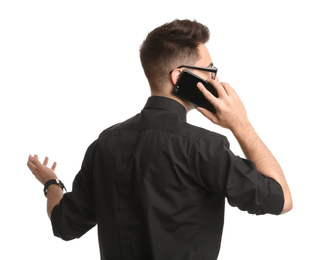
(213, 69)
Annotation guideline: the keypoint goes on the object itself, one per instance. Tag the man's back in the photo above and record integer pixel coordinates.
(155, 185)
(147, 184)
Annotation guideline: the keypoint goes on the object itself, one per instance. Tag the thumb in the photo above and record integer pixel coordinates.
(32, 164)
(212, 117)
(34, 160)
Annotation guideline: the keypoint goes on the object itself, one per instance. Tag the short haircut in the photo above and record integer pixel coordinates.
(169, 46)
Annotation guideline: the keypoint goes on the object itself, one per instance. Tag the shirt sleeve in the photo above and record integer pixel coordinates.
(74, 215)
(219, 170)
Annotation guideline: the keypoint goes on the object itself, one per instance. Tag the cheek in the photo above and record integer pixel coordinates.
(206, 75)
(203, 74)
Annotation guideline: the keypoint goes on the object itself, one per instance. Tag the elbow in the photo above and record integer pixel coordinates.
(288, 205)
(287, 208)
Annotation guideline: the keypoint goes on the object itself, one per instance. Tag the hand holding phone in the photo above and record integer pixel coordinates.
(231, 112)
(186, 88)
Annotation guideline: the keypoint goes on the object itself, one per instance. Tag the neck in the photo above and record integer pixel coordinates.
(188, 106)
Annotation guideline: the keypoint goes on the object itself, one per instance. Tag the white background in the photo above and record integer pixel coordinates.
(69, 69)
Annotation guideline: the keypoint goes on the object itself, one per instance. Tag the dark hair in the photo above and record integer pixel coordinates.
(169, 46)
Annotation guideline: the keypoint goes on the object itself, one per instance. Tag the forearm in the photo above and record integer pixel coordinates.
(54, 196)
(231, 114)
(255, 150)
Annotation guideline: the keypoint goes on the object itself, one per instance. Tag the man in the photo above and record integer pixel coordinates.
(156, 185)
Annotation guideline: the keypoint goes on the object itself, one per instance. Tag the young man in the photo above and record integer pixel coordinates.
(156, 185)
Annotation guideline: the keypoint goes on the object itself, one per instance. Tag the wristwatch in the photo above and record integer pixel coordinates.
(53, 181)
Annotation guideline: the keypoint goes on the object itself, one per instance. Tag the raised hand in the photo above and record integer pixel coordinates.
(40, 170)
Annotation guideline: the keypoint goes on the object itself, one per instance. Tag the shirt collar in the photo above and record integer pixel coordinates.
(166, 104)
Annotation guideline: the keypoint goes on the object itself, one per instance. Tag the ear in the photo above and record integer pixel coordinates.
(175, 75)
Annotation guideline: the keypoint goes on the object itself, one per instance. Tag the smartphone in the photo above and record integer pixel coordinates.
(186, 88)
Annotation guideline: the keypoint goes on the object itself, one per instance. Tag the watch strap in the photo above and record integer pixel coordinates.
(53, 181)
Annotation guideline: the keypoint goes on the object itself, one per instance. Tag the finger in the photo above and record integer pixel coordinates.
(35, 161)
(46, 160)
(219, 87)
(228, 89)
(209, 96)
(53, 166)
(31, 160)
(31, 166)
(212, 117)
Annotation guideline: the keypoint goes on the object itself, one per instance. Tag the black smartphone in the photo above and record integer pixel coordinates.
(186, 88)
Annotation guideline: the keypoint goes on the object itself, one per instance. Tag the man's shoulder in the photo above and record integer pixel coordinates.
(125, 125)
(199, 133)
(173, 126)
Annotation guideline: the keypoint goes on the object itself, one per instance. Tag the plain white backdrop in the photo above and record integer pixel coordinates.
(70, 69)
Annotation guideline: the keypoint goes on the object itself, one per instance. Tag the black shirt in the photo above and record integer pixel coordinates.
(156, 187)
